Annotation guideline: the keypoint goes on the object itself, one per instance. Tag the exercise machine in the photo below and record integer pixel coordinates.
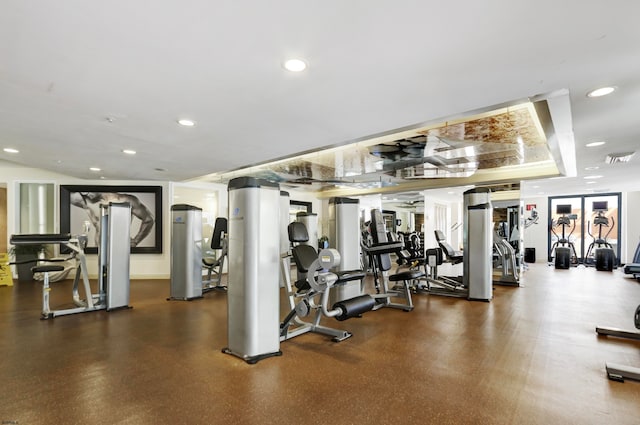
(506, 271)
(563, 251)
(378, 249)
(441, 285)
(412, 244)
(476, 280)
(313, 285)
(615, 371)
(113, 263)
(600, 252)
(344, 235)
(634, 268)
(477, 243)
(452, 256)
(186, 252)
(253, 295)
(187, 261)
(215, 266)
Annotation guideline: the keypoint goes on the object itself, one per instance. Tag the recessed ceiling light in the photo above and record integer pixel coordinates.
(594, 144)
(595, 167)
(602, 91)
(11, 150)
(536, 187)
(295, 65)
(590, 182)
(129, 151)
(451, 193)
(186, 122)
(592, 177)
(94, 169)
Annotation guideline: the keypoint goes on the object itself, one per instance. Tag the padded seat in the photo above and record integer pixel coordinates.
(305, 255)
(47, 269)
(406, 275)
(453, 256)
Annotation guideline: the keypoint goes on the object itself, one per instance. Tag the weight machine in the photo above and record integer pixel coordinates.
(187, 260)
(113, 263)
(214, 267)
(476, 280)
(312, 289)
(375, 245)
(505, 263)
(634, 268)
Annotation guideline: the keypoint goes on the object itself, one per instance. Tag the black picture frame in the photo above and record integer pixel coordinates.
(77, 200)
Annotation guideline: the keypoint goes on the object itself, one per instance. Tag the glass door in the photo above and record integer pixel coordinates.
(584, 223)
(565, 226)
(602, 214)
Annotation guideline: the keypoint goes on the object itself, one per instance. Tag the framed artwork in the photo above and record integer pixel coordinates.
(80, 204)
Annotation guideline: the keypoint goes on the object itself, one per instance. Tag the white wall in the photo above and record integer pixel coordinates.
(630, 225)
(142, 266)
(535, 236)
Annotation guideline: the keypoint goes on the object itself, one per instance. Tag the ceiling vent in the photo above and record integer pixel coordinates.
(613, 158)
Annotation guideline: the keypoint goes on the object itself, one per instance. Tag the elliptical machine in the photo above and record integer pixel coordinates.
(600, 252)
(562, 249)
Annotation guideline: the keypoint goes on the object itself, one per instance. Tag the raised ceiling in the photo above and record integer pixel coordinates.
(517, 138)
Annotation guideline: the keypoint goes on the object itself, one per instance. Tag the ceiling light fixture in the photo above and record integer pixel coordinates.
(295, 65)
(94, 169)
(592, 177)
(11, 150)
(595, 167)
(613, 158)
(594, 144)
(602, 91)
(129, 151)
(590, 182)
(186, 123)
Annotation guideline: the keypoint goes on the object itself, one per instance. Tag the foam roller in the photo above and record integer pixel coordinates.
(354, 307)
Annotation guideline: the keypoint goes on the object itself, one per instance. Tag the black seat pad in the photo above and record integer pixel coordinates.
(47, 269)
(349, 275)
(407, 275)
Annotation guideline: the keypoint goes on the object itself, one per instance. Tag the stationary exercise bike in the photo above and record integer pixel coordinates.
(563, 248)
(600, 252)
